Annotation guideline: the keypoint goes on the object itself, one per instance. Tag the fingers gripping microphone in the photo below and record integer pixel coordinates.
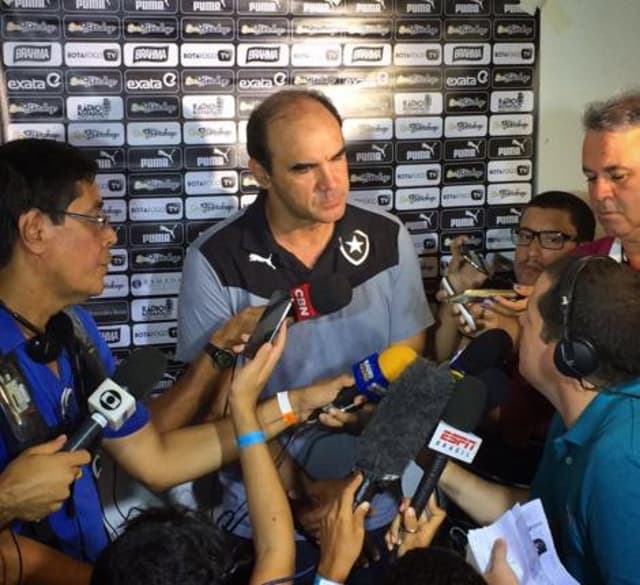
(321, 296)
(451, 438)
(114, 401)
(401, 424)
(372, 378)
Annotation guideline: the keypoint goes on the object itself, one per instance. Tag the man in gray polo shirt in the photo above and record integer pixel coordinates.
(301, 227)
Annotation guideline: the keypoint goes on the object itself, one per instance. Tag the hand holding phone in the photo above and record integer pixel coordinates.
(476, 295)
(275, 313)
(464, 310)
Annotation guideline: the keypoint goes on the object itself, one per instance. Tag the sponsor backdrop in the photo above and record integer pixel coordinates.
(438, 97)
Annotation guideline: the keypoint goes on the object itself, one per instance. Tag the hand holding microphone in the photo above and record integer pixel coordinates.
(114, 401)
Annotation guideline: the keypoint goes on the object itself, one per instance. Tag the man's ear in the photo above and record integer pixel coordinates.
(260, 173)
(33, 230)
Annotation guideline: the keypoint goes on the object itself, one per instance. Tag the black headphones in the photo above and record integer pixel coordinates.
(45, 346)
(574, 356)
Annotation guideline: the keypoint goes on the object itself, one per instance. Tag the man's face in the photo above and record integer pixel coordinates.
(531, 260)
(78, 253)
(611, 164)
(535, 355)
(309, 180)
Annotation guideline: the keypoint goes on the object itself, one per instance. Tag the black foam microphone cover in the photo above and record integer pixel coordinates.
(494, 347)
(330, 292)
(401, 424)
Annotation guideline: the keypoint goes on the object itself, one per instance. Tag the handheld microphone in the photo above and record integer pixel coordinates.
(401, 424)
(113, 402)
(494, 347)
(452, 438)
(322, 295)
(372, 378)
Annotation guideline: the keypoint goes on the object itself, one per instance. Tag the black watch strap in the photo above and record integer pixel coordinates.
(221, 358)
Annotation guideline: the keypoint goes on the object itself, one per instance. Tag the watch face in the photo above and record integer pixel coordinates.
(224, 359)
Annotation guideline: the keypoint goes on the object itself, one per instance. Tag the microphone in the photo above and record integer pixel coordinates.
(322, 295)
(452, 438)
(113, 402)
(401, 424)
(372, 378)
(493, 347)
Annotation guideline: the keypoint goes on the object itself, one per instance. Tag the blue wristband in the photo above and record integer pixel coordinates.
(249, 439)
(322, 581)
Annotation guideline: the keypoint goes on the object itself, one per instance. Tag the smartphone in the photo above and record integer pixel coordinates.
(464, 310)
(275, 313)
(475, 295)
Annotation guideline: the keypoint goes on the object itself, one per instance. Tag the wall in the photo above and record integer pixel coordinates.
(588, 50)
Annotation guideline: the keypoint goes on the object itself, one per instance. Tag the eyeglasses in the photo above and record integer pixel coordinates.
(549, 239)
(101, 220)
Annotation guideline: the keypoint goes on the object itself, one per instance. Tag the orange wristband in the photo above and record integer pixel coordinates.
(284, 403)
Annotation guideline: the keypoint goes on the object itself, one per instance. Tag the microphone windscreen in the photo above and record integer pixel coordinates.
(395, 360)
(467, 405)
(403, 421)
(330, 293)
(491, 348)
(497, 383)
(141, 371)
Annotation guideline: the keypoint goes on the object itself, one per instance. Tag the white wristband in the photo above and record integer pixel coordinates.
(285, 408)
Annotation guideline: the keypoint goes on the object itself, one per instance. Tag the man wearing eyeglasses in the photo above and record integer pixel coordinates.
(551, 226)
(54, 254)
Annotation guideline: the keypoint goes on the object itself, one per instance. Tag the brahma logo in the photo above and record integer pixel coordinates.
(211, 207)
(467, 54)
(32, 54)
(463, 195)
(151, 55)
(115, 336)
(259, 55)
(367, 55)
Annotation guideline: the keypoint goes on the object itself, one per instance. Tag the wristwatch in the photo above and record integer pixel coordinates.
(222, 358)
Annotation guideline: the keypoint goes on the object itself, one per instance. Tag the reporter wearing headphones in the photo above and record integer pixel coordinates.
(579, 349)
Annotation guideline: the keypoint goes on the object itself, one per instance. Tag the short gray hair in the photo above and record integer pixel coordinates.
(620, 112)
